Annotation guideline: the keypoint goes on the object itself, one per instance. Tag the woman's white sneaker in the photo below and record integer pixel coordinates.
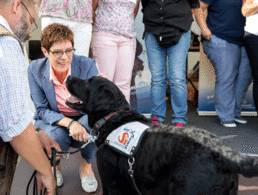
(59, 179)
(228, 124)
(240, 120)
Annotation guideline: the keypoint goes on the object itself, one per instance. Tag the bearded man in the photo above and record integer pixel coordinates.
(17, 18)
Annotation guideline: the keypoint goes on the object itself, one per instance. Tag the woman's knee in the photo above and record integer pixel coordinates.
(84, 122)
(61, 136)
(177, 82)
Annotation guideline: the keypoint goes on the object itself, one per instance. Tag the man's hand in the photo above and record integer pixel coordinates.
(48, 143)
(78, 132)
(206, 33)
(48, 182)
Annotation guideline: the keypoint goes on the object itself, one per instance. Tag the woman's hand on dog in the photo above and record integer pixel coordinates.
(103, 75)
(78, 132)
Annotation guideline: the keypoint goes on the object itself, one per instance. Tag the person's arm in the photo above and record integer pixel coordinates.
(38, 3)
(87, 69)
(144, 3)
(15, 117)
(194, 4)
(201, 21)
(47, 143)
(136, 8)
(249, 8)
(38, 95)
(95, 4)
(28, 146)
(76, 130)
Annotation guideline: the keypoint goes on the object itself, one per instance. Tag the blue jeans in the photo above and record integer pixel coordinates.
(61, 136)
(233, 76)
(157, 59)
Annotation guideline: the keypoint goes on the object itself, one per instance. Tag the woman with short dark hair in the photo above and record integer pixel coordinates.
(47, 78)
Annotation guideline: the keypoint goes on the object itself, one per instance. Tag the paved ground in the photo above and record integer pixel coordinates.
(243, 138)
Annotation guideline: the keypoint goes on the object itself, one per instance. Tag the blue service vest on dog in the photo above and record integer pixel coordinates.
(127, 138)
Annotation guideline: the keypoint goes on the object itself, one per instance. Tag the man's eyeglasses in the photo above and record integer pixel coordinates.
(33, 25)
(59, 54)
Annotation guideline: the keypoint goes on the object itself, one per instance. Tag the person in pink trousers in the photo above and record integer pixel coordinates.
(114, 40)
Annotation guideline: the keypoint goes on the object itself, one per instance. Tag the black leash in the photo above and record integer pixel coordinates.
(66, 155)
(131, 173)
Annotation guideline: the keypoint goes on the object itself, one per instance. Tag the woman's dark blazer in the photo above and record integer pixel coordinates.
(43, 91)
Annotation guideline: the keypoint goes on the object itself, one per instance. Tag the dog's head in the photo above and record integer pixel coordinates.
(97, 95)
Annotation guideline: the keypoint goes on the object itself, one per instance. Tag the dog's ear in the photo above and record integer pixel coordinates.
(107, 98)
(101, 101)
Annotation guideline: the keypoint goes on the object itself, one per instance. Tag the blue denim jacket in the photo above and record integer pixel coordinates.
(43, 91)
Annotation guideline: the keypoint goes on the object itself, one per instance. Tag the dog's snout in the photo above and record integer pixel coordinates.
(69, 78)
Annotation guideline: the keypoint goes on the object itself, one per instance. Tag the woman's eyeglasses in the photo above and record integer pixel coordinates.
(59, 54)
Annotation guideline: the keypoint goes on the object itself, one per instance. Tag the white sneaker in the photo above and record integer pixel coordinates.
(240, 120)
(228, 124)
(59, 179)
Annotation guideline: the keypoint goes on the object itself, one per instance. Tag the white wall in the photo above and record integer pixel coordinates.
(36, 33)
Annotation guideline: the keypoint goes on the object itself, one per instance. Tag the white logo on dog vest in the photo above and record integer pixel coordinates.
(127, 137)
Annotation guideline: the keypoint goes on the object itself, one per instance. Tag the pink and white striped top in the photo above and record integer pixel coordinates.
(62, 94)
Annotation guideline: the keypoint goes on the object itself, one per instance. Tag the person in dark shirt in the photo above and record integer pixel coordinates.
(250, 11)
(222, 40)
(167, 38)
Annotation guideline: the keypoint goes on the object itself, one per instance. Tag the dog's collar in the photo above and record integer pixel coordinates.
(102, 121)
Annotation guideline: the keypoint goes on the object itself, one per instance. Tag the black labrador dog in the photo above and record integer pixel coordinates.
(169, 161)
